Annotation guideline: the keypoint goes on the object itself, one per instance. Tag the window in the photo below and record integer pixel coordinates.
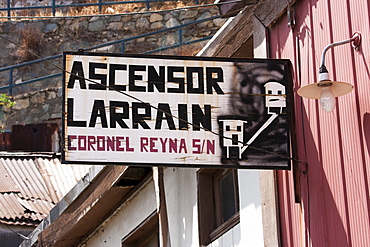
(218, 203)
(145, 235)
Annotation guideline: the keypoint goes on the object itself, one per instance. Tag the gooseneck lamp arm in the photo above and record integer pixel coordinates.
(356, 39)
(335, 44)
(327, 90)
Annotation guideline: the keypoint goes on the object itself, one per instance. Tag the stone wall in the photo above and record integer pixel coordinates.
(41, 101)
(35, 107)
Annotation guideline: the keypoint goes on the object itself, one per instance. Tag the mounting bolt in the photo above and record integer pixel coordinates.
(356, 40)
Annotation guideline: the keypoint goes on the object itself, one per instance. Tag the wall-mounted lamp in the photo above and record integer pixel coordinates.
(327, 90)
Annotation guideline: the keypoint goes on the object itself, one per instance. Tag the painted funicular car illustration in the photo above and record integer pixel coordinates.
(275, 96)
(233, 134)
(233, 129)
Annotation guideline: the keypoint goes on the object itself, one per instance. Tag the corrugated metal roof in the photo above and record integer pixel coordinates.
(60, 176)
(27, 177)
(31, 184)
(6, 183)
(39, 206)
(10, 207)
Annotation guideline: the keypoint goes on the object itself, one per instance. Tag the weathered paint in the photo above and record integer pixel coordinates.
(125, 219)
(335, 201)
(136, 109)
(182, 208)
(35, 183)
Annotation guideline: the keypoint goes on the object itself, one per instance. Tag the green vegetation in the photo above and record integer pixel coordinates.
(6, 100)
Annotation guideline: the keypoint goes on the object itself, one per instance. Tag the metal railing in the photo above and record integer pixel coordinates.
(181, 42)
(53, 6)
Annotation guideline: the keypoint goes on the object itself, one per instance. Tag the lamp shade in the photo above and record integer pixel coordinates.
(313, 90)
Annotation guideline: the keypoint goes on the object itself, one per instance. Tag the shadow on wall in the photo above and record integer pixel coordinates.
(366, 128)
(366, 121)
(325, 224)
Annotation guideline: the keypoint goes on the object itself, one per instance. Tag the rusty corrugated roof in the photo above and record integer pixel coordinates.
(6, 183)
(27, 177)
(31, 184)
(56, 175)
(10, 207)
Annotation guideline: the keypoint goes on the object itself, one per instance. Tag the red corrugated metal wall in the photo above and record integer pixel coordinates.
(335, 198)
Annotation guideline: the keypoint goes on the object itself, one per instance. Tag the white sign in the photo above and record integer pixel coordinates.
(175, 111)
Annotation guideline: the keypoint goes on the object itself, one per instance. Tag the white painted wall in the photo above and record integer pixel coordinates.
(124, 220)
(181, 195)
(232, 238)
(249, 232)
(250, 209)
(182, 206)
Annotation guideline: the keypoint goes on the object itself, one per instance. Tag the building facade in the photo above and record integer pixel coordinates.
(332, 184)
(322, 201)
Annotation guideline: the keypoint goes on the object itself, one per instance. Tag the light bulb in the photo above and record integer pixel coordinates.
(327, 99)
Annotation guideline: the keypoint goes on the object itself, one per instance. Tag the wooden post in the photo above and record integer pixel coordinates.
(164, 235)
